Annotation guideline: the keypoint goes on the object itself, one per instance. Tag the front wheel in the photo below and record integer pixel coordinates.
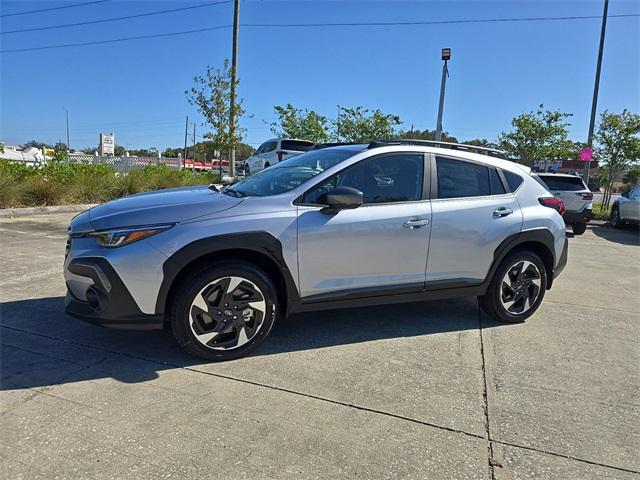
(517, 288)
(579, 228)
(223, 311)
(615, 217)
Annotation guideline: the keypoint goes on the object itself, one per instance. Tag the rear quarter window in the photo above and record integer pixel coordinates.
(570, 184)
(513, 180)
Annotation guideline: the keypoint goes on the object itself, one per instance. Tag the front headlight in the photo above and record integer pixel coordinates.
(124, 236)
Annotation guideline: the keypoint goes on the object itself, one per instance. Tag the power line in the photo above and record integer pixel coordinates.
(435, 22)
(29, 12)
(124, 39)
(116, 19)
(274, 25)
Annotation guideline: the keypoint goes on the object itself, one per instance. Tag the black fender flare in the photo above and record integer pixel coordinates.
(540, 236)
(257, 242)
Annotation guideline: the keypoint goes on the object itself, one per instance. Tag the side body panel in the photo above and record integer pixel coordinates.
(464, 235)
(365, 247)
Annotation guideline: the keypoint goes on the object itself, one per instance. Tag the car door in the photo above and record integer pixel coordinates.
(630, 206)
(472, 213)
(379, 247)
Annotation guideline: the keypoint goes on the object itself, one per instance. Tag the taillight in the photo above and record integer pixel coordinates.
(553, 202)
(281, 155)
(587, 196)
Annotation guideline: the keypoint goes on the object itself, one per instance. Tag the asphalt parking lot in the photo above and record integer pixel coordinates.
(419, 391)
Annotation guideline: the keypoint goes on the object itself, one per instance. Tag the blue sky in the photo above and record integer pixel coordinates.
(136, 89)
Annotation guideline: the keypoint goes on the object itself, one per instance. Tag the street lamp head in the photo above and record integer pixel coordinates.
(446, 54)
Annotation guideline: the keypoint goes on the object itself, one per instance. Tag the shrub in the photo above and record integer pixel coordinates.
(9, 190)
(40, 190)
(17, 171)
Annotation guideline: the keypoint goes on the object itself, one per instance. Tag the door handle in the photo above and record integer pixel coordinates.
(416, 223)
(502, 212)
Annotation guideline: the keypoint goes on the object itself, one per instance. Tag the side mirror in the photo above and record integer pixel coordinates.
(340, 198)
(625, 194)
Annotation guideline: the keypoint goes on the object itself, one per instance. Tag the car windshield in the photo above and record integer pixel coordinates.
(291, 173)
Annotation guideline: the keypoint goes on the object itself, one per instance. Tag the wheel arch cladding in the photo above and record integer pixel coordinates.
(540, 242)
(259, 248)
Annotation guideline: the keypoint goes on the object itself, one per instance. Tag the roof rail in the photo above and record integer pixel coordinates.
(318, 146)
(492, 152)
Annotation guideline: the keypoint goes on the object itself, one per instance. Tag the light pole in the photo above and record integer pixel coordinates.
(446, 56)
(232, 102)
(68, 141)
(596, 88)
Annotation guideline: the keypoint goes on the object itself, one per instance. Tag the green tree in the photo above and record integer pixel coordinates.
(481, 142)
(539, 135)
(631, 177)
(211, 95)
(427, 135)
(361, 125)
(36, 144)
(60, 146)
(302, 124)
(617, 147)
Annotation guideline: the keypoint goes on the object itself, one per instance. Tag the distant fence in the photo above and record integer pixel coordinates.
(124, 163)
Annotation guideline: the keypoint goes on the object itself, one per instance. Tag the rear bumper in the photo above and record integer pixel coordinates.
(584, 216)
(562, 261)
(108, 302)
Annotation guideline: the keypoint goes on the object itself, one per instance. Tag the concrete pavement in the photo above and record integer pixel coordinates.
(429, 390)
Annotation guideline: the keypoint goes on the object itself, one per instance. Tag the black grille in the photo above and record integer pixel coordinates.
(67, 247)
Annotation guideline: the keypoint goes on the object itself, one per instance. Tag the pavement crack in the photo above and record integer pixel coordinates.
(565, 456)
(491, 460)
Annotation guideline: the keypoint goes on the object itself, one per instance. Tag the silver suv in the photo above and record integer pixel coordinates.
(341, 226)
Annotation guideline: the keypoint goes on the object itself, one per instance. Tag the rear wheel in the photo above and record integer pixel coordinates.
(579, 228)
(615, 217)
(223, 311)
(517, 288)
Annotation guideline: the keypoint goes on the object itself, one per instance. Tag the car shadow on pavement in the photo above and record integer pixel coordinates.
(42, 346)
(627, 235)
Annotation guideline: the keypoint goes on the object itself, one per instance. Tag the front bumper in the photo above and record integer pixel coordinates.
(107, 301)
(584, 216)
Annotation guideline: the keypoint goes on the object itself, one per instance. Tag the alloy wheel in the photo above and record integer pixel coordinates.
(520, 287)
(227, 313)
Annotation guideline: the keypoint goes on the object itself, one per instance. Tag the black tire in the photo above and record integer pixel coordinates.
(615, 217)
(492, 302)
(579, 228)
(211, 276)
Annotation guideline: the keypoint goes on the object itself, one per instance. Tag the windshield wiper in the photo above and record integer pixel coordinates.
(234, 193)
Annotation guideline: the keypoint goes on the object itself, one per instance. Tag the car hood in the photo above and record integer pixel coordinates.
(162, 206)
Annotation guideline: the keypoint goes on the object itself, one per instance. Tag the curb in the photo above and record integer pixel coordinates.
(24, 212)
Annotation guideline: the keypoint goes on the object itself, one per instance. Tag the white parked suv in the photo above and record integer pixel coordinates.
(577, 198)
(274, 151)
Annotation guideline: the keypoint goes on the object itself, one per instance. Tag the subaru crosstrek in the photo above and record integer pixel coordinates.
(340, 226)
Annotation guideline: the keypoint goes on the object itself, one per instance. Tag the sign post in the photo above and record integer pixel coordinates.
(107, 144)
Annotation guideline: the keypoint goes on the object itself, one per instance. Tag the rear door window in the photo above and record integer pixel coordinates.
(459, 179)
(567, 184)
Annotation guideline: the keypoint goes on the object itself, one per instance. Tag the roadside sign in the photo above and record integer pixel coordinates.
(107, 144)
(586, 154)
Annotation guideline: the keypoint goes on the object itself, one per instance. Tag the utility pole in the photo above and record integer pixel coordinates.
(446, 56)
(232, 102)
(68, 141)
(596, 88)
(194, 141)
(186, 128)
